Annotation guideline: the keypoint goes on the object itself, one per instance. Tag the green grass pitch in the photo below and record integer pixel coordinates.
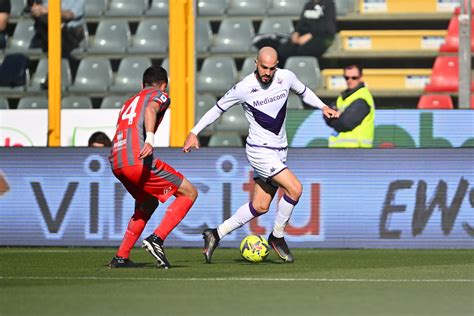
(76, 281)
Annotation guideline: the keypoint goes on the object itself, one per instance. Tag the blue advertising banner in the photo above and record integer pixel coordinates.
(380, 198)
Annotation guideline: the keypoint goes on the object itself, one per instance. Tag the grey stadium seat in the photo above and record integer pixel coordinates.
(94, 74)
(22, 35)
(76, 102)
(112, 36)
(247, 67)
(306, 69)
(151, 37)
(203, 103)
(276, 25)
(41, 73)
(95, 7)
(212, 7)
(218, 74)
(113, 102)
(4, 103)
(130, 74)
(234, 36)
(127, 8)
(223, 139)
(344, 7)
(166, 64)
(17, 7)
(286, 7)
(233, 120)
(248, 7)
(294, 102)
(204, 35)
(158, 8)
(33, 103)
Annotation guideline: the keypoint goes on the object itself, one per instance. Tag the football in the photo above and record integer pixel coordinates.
(254, 248)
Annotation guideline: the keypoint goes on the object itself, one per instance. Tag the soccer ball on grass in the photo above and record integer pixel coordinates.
(254, 248)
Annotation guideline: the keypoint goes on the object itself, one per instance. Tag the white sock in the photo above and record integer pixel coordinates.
(243, 215)
(285, 208)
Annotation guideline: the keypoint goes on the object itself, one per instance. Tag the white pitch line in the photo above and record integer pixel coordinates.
(242, 279)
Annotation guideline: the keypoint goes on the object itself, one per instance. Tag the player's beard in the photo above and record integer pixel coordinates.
(260, 78)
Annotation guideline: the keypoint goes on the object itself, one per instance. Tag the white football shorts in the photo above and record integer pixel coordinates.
(266, 162)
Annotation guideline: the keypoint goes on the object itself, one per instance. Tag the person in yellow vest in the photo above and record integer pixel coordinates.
(355, 126)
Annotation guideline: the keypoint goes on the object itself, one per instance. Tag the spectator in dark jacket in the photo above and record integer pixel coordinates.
(314, 32)
(5, 7)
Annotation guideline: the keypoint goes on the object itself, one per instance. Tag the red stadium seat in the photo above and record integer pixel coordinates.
(435, 102)
(472, 101)
(445, 75)
(458, 9)
(451, 43)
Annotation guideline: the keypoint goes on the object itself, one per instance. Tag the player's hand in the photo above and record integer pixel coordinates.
(146, 151)
(330, 113)
(191, 142)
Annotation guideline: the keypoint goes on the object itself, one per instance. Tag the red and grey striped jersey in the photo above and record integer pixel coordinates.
(130, 134)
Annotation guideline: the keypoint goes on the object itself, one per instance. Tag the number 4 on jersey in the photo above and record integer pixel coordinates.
(129, 113)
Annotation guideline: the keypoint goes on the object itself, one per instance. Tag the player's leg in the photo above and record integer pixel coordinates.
(135, 227)
(145, 205)
(262, 197)
(185, 198)
(165, 181)
(292, 191)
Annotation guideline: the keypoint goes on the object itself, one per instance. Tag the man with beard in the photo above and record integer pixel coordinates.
(264, 95)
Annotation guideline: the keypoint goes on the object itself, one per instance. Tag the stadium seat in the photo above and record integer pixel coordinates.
(276, 25)
(166, 64)
(381, 78)
(94, 8)
(406, 6)
(112, 36)
(127, 8)
(151, 37)
(76, 102)
(248, 7)
(94, 74)
(294, 102)
(212, 7)
(391, 40)
(4, 103)
(203, 103)
(445, 75)
(113, 102)
(248, 67)
(306, 69)
(41, 73)
(129, 75)
(451, 43)
(344, 7)
(17, 7)
(225, 140)
(33, 103)
(234, 36)
(286, 7)
(218, 74)
(435, 101)
(158, 8)
(204, 35)
(22, 35)
(233, 120)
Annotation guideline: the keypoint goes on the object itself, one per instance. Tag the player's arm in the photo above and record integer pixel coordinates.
(151, 112)
(227, 101)
(310, 98)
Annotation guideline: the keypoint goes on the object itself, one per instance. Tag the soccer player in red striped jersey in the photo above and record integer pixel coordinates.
(148, 179)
